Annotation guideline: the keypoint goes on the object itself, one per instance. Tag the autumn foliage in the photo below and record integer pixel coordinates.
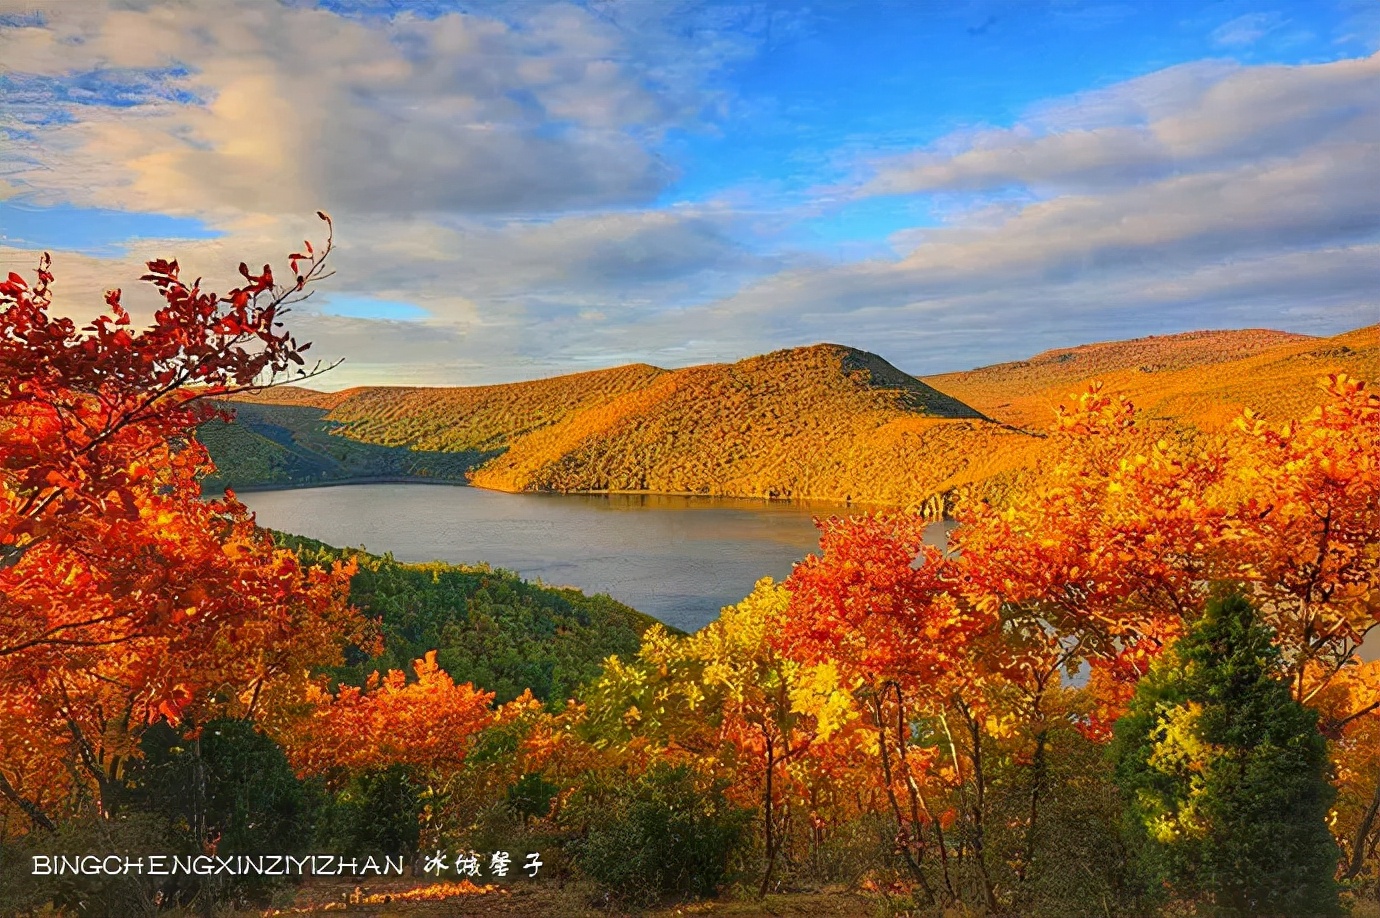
(428, 723)
(124, 598)
(937, 717)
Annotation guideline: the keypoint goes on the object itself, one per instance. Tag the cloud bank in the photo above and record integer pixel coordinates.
(506, 171)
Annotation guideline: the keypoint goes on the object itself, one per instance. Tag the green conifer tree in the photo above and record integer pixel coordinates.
(1225, 776)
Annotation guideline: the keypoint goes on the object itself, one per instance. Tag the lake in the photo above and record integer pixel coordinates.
(680, 559)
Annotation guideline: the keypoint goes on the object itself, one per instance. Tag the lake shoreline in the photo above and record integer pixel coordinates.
(456, 483)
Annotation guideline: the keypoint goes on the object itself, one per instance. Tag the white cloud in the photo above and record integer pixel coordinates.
(1184, 119)
(1247, 29)
(501, 175)
(305, 109)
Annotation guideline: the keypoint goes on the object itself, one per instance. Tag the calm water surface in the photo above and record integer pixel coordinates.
(680, 559)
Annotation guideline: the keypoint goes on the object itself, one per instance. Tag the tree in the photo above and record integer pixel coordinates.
(890, 613)
(1226, 775)
(429, 723)
(125, 598)
(726, 698)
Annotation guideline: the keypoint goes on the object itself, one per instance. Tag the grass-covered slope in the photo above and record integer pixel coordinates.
(1202, 378)
(488, 626)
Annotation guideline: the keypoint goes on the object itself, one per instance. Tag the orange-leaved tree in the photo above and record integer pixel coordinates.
(1118, 541)
(124, 597)
(429, 723)
(888, 611)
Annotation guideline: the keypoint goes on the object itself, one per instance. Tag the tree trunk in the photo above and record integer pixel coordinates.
(1037, 780)
(766, 807)
(906, 853)
(916, 801)
(979, 808)
(1358, 844)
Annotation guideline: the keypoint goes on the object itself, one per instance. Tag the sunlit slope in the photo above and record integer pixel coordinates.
(481, 417)
(1202, 378)
(825, 422)
(296, 396)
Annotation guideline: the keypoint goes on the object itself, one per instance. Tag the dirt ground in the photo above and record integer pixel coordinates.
(405, 897)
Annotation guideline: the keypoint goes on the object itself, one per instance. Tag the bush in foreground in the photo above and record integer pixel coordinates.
(1226, 775)
(668, 831)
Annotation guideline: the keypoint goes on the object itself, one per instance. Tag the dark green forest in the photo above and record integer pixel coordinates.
(487, 626)
(276, 446)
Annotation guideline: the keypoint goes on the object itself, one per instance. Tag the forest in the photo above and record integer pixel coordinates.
(487, 627)
(282, 446)
(1133, 685)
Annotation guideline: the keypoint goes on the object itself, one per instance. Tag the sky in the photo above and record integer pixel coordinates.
(525, 188)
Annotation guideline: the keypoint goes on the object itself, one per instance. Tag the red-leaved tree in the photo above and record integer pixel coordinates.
(124, 596)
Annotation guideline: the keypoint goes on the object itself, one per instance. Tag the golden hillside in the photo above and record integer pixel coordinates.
(480, 417)
(826, 422)
(1204, 378)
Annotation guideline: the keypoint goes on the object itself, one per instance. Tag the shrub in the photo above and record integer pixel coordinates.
(668, 831)
(376, 813)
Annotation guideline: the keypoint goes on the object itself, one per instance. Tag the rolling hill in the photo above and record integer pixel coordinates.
(826, 422)
(1204, 378)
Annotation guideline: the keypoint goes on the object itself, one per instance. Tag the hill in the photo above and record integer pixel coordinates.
(826, 422)
(294, 445)
(1203, 377)
(296, 395)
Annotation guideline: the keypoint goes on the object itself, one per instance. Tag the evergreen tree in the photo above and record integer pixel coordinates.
(1226, 775)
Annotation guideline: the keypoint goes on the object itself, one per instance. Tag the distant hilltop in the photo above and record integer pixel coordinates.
(826, 422)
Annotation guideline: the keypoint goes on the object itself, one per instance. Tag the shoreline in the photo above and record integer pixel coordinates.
(338, 482)
(456, 483)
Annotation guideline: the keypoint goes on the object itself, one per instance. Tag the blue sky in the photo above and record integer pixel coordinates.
(527, 188)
